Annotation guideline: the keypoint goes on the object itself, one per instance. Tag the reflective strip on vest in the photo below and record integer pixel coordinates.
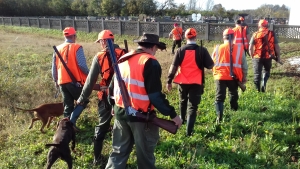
(239, 35)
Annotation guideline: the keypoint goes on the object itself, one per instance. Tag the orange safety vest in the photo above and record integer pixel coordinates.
(132, 73)
(261, 46)
(68, 53)
(221, 58)
(240, 35)
(177, 33)
(106, 67)
(189, 72)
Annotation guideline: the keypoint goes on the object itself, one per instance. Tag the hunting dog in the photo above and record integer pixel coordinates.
(60, 147)
(45, 113)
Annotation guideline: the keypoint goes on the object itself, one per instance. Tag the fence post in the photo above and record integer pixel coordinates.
(138, 28)
(28, 22)
(120, 27)
(38, 22)
(60, 24)
(271, 28)
(157, 27)
(19, 21)
(49, 23)
(207, 31)
(88, 26)
(102, 23)
(74, 24)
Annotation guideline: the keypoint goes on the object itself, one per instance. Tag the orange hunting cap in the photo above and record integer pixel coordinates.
(68, 31)
(175, 24)
(263, 23)
(242, 18)
(105, 34)
(190, 33)
(228, 31)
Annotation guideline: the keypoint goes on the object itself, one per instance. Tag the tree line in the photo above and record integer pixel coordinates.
(129, 8)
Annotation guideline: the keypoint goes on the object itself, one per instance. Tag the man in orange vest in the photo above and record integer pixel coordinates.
(223, 71)
(241, 35)
(263, 45)
(101, 65)
(176, 34)
(141, 73)
(73, 55)
(189, 62)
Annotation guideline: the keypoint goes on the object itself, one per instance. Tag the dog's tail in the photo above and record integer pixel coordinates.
(55, 145)
(25, 109)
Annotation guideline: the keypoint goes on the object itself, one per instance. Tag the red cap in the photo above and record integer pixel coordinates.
(175, 24)
(228, 31)
(68, 31)
(105, 34)
(190, 33)
(263, 23)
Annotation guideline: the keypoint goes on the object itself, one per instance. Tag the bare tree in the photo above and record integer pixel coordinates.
(192, 4)
(209, 5)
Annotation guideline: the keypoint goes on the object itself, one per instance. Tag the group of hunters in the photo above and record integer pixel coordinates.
(141, 73)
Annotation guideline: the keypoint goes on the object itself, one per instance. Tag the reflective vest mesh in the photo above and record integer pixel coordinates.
(239, 35)
(189, 72)
(221, 69)
(132, 73)
(69, 49)
(261, 45)
(107, 70)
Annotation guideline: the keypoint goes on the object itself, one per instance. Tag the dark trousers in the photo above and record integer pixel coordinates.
(190, 97)
(176, 42)
(221, 86)
(70, 93)
(260, 80)
(104, 114)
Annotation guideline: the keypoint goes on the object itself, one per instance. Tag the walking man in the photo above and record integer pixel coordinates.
(101, 65)
(241, 35)
(176, 34)
(189, 62)
(73, 56)
(230, 67)
(141, 73)
(263, 47)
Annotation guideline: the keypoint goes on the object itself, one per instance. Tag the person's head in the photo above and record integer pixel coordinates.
(102, 36)
(228, 34)
(69, 33)
(175, 25)
(150, 43)
(263, 23)
(190, 34)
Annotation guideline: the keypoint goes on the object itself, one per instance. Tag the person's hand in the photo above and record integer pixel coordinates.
(79, 103)
(169, 87)
(177, 120)
(112, 112)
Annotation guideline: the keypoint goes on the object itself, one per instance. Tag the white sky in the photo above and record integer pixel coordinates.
(242, 4)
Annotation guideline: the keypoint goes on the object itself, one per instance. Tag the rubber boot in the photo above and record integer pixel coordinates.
(265, 78)
(219, 111)
(76, 113)
(97, 152)
(190, 123)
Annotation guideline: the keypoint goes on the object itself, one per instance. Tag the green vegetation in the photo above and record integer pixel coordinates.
(263, 133)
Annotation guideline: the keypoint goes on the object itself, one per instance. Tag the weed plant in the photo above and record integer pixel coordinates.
(263, 133)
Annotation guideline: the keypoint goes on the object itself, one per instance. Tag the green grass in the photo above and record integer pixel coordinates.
(263, 133)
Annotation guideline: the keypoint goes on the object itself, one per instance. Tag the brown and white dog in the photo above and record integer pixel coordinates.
(60, 147)
(45, 113)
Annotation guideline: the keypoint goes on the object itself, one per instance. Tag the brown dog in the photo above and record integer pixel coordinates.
(45, 113)
(60, 148)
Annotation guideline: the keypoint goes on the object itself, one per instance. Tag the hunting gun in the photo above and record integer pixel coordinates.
(145, 117)
(240, 84)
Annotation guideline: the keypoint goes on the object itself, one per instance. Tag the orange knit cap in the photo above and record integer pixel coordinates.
(190, 33)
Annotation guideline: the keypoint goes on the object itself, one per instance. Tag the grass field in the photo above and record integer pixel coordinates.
(263, 133)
